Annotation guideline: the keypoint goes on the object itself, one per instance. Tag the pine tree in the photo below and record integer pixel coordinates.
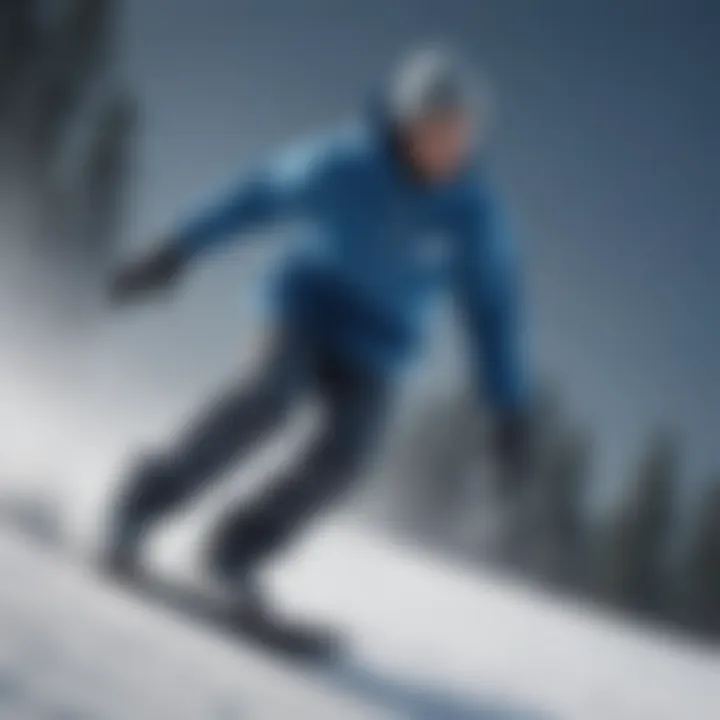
(560, 526)
(702, 607)
(638, 536)
(18, 44)
(106, 176)
(68, 140)
(432, 459)
(76, 50)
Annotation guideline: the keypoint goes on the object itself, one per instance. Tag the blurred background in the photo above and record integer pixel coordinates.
(117, 118)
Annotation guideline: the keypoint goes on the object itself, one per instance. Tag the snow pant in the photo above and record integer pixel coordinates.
(354, 404)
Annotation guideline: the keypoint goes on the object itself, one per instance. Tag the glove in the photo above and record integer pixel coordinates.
(153, 272)
(511, 445)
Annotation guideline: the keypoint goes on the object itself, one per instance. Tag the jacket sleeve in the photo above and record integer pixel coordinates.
(293, 186)
(488, 291)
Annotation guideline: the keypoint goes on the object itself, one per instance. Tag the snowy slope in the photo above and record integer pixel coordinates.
(433, 643)
(71, 650)
(516, 652)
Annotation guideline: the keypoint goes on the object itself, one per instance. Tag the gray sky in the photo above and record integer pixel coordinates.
(609, 143)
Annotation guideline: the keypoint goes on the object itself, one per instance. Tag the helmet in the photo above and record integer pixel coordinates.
(431, 81)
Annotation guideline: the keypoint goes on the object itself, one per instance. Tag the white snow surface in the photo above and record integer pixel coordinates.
(431, 642)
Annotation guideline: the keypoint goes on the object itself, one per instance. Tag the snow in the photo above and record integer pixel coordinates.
(431, 642)
(502, 643)
(70, 649)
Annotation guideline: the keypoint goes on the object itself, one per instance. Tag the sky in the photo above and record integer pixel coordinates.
(607, 148)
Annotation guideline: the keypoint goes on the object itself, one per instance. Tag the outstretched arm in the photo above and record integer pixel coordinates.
(488, 290)
(295, 185)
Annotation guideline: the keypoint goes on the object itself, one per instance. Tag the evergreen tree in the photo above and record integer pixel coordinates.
(106, 176)
(638, 537)
(702, 607)
(76, 50)
(560, 526)
(18, 43)
(434, 454)
(67, 147)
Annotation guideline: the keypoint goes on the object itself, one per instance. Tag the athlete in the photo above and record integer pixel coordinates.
(391, 209)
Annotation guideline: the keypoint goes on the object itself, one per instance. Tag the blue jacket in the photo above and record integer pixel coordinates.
(375, 245)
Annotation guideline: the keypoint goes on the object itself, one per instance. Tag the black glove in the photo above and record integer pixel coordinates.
(153, 272)
(511, 442)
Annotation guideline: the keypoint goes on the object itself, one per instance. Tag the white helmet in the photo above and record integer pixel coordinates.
(431, 81)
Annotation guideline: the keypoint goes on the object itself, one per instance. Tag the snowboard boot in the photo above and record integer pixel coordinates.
(233, 562)
(141, 502)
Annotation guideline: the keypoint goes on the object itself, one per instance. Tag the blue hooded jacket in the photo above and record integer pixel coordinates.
(375, 244)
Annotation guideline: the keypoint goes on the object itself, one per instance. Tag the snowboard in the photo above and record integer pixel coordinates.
(256, 624)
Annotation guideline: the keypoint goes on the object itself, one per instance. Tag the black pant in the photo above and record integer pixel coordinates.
(354, 404)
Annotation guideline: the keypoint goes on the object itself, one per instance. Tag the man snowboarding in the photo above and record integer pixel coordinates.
(392, 208)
